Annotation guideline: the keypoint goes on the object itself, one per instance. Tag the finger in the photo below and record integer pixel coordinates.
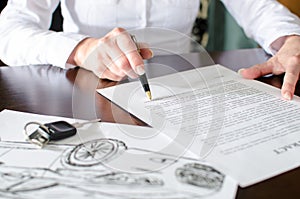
(109, 63)
(107, 74)
(136, 62)
(119, 63)
(109, 46)
(257, 70)
(123, 65)
(105, 62)
(145, 51)
(129, 48)
(288, 86)
(115, 69)
(290, 80)
(103, 72)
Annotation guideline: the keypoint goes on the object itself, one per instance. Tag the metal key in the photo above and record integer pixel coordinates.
(53, 131)
(81, 124)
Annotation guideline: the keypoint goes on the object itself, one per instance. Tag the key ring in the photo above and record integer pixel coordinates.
(53, 131)
(40, 137)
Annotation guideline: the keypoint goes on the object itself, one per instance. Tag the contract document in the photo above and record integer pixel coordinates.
(242, 126)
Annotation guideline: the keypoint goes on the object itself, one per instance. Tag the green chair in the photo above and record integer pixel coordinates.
(224, 33)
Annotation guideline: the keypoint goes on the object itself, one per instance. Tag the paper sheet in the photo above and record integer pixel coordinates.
(102, 161)
(243, 126)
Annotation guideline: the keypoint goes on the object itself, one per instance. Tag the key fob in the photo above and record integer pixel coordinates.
(60, 130)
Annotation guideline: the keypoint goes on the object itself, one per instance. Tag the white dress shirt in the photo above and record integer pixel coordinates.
(25, 38)
(266, 21)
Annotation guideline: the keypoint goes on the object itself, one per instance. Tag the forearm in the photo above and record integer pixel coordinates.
(29, 46)
(25, 38)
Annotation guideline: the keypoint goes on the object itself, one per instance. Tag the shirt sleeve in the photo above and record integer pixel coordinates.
(266, 21)
(26, 38)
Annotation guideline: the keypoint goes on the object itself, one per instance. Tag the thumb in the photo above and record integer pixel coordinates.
(145, 51)
(257, 70)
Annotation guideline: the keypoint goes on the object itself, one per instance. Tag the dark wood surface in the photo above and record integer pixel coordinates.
(51, 90)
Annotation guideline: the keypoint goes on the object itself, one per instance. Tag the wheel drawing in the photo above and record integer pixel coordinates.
(95, 152)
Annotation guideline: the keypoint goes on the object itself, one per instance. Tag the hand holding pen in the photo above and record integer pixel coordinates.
(113, 56)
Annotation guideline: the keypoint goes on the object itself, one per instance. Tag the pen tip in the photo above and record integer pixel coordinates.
(148, 93)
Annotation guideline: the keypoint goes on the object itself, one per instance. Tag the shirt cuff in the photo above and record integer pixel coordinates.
(275, 46)
(59, 51)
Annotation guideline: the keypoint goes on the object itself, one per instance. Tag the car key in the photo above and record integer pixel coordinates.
(53, 131)
(60, 130)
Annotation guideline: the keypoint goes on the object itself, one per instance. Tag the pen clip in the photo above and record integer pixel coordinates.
(136, 43)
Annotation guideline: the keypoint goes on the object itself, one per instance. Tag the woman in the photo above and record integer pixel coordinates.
(90, 26)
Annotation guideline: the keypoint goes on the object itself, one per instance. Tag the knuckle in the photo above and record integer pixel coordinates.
(295, 60)
(99, 71)
(112, 35)
(122, 63)
(129, 44)
(118, 30)
(292, 70)
(137, 60)
(105, 40)
(278, 69)
(126, 44)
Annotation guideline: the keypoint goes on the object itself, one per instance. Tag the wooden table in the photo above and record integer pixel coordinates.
(54, 91)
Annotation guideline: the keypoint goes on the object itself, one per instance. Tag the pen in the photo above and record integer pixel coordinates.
(143, 78)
